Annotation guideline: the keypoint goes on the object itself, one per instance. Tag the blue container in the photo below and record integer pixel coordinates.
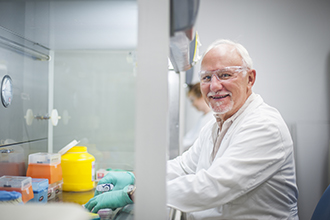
(12, 197)
(40, 190)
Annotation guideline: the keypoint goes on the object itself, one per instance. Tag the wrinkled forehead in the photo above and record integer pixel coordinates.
(221, 56)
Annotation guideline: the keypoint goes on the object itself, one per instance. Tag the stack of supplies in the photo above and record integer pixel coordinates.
(47, 166)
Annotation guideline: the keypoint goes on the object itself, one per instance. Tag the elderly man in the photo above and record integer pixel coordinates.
(242, 165)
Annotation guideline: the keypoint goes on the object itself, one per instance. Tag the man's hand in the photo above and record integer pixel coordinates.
(118, 179)
(111, 199)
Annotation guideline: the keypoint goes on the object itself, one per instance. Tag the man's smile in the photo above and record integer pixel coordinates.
(218, 97)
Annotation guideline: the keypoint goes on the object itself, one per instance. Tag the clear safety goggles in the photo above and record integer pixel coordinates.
(227, 73)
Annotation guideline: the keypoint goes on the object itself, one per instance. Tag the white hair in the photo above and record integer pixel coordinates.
(246, 59)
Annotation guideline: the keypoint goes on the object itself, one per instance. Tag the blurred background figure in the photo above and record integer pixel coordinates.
(195, 96)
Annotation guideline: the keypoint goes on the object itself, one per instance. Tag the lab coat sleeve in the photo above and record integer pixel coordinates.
(248, 157)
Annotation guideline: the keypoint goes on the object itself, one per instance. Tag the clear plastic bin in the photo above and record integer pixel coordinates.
(12, 161)
(19, 184)
(45, 165)
(54, 189)
(45, 158)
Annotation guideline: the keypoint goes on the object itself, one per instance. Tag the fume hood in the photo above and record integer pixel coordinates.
(80, 57)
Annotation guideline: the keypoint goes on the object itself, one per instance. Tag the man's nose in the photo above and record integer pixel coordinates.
(216, 84)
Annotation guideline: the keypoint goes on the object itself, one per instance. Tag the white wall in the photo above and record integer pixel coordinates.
(289, 42)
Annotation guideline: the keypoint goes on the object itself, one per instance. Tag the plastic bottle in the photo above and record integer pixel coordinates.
(78, 169)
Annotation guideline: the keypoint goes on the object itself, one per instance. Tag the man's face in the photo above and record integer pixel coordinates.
(225, 97)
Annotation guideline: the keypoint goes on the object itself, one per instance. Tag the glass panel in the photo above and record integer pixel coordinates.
(94, 45)
(94, 93)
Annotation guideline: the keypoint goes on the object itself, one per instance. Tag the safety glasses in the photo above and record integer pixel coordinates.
(227, 73)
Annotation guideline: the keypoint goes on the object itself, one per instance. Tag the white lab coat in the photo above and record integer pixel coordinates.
(192, 134)
(251, 177)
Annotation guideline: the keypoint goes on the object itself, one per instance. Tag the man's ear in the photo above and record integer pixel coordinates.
(251, 77)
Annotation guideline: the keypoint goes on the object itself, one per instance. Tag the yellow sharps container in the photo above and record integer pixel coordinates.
(78, 170)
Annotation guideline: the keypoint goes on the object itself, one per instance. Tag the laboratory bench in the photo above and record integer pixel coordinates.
(125, 213)
(81, 198)
(68, 206)
(73, 197)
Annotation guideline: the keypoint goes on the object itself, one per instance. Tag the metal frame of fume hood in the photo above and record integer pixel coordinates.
(22, 48)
